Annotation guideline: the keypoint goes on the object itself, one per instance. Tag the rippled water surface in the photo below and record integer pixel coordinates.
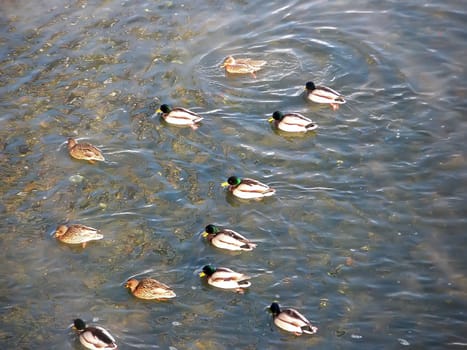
(366, 233)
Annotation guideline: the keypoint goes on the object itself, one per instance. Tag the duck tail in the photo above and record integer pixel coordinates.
(309, 329)
(244, 284)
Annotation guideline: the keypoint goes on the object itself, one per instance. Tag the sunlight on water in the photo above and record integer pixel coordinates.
(364, 235)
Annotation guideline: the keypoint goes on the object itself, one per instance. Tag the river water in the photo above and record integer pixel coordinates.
(365, 233)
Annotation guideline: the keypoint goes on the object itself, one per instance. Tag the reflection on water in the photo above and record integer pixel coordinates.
(364, 235)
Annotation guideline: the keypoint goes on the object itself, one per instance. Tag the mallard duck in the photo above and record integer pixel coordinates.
(179, 116)
(242, 65)
(94, 337)
(77, 234)
(291, 320)
(84, 151)
(323, 94)
(292, 122)
(225, 278)
(247, 188)
(227, 239)
(148, 288)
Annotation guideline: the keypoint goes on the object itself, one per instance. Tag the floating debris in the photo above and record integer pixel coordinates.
(76, 178)
(403, 342)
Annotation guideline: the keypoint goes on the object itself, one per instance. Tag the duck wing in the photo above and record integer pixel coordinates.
(184, 114)
(225, 274)
(232, 240)
(297, 119)
(83, 233)
(328, 93)
(251, 185)
(155, 289)
(251, 62)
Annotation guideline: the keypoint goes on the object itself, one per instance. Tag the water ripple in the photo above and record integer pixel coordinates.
(366, 227)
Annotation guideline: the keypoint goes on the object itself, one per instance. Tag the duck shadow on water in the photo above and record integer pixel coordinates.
(237, 202)
(294, 136)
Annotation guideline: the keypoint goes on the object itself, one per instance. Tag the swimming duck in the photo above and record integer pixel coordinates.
(291, 320)
(148, 288)
(179, 116)
(247, 188)
(84, 151)
(77, 234)
(292, 122)
(227, 239)
(323, 94)
(225, 278)
(94, 337)
(242, 65)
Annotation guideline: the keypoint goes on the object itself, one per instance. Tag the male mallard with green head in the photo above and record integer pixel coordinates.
(291, 320)
(292, 122)
(225, 278)
(323, 94)
(94, 337)
(247, 188)
(227, 239)
(179, 116)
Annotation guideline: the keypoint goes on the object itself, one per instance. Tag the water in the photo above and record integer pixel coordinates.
(364, 236)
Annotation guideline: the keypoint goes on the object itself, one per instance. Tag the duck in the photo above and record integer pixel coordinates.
(242, 65)
(179, 116)
(77, 234)
(84, 151)
(225, 278)
(323, 94)
(149, 288)
(94, 337)
(227, 239)
(292, 122)
(291, 320)
(246, 188)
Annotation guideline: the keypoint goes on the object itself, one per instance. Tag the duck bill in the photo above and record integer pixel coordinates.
(202, 274)
(205, 234)
(271, 119)
(224, 184)
(158, 111)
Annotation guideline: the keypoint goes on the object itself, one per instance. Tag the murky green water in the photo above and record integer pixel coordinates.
(365, 235)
